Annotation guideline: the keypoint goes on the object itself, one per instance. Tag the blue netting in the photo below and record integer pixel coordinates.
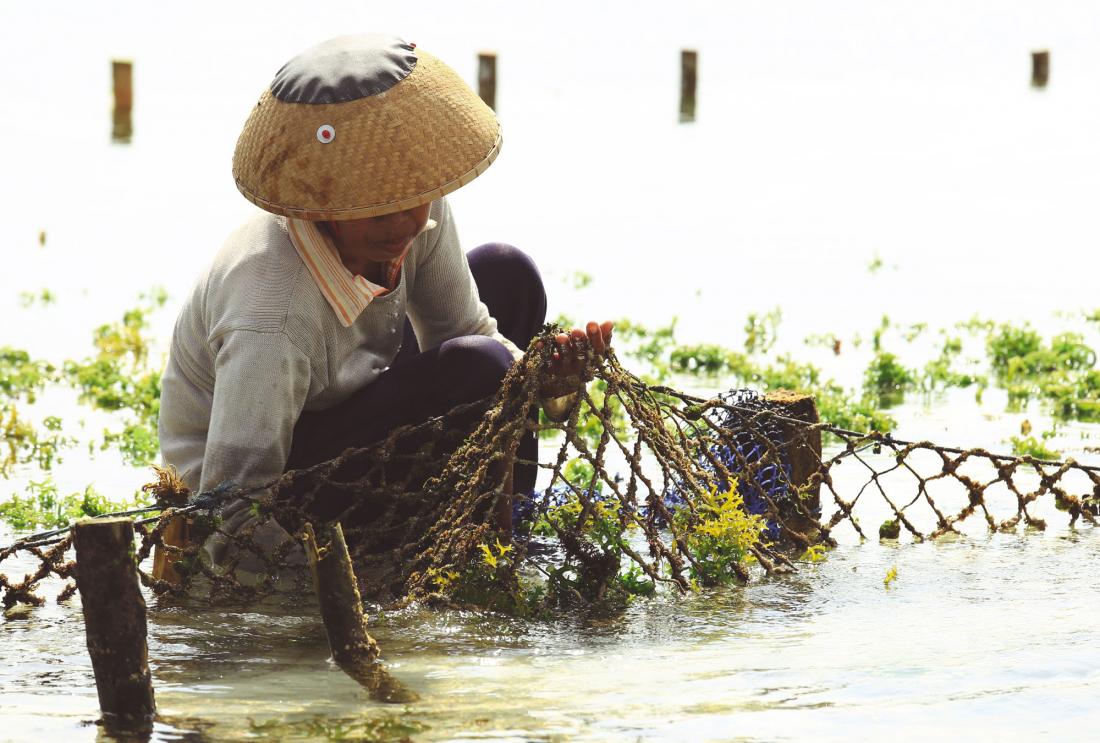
(753, 436)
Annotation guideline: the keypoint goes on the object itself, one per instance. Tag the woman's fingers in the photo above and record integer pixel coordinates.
(605, 329)
(595, 338)
(561, 339)
(570, 353)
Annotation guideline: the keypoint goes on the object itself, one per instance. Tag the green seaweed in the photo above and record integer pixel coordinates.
(381, 729)
(762, 331)
(720, 534)
(45, 507)
(118, 379)
(22, 377)
(44, 298)
(1060, 372)
(889, 529)
(887, 379)
(580, 279)
(1029, 446)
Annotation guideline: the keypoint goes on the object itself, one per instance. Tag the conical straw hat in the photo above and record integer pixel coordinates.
(360, 126)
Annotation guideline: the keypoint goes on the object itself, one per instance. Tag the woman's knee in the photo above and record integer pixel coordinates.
(504, 263)
(472, 367)
(509, 283)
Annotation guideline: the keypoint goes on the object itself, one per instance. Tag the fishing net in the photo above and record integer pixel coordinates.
(648, 488)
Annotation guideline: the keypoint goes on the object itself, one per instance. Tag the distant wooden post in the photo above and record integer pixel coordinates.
(122, 127)
(803, 449)
(1040, 68)
(689, 66)
(487, 78)
(353, 649)
(114, 617)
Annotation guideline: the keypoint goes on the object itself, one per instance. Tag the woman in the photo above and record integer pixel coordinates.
(347, 307)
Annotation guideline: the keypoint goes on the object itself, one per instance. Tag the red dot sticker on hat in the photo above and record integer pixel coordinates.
(325, 133)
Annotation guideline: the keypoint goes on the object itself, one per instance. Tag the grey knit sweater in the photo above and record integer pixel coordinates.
(256, 343)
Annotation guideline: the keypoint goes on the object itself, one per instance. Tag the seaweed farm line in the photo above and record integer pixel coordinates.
(974, 632)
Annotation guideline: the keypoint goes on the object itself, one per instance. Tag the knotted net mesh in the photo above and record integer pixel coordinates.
(647, 489)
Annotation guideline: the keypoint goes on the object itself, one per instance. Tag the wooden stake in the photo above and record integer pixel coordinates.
(114, 617)
(176, 534)
(1040, 68)
(689, 65)
(122, 127)
(353, 649)
(804, 454)
(487, 79)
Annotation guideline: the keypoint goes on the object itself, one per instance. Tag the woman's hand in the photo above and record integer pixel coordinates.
(570, 356)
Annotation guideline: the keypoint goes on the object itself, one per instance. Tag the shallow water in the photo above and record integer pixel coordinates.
(828, 134)
(974, 636)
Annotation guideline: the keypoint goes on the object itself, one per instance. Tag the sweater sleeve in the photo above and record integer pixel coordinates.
(445, 304)
(260, 386)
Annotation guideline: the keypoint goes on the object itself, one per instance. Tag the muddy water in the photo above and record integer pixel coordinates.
(827, 134)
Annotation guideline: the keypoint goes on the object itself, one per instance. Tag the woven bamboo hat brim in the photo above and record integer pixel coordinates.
(350, 144)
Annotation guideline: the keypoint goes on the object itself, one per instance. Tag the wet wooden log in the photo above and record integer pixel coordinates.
(487, 79)
(689, 67)
(114, 617)
(122, 75)
(353, 649)
(803, 449)
(1040, 68)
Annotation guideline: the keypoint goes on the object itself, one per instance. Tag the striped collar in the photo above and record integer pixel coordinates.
(348, 294)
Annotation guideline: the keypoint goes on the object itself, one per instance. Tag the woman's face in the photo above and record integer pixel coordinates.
(379, 239)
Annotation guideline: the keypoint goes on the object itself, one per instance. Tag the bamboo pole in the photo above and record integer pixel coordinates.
(114, 617)
(353, 649)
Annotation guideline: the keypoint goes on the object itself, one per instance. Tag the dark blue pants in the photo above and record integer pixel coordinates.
(422, 384)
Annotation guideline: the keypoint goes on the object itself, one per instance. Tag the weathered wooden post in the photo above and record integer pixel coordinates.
(487, 78)
(689, 65)
(176, 534)
(1040, 68)
(114, 617)
(122, 127)
(802, 437)
(353, 649)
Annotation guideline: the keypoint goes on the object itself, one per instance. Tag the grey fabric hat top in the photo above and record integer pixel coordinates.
(345, 68)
